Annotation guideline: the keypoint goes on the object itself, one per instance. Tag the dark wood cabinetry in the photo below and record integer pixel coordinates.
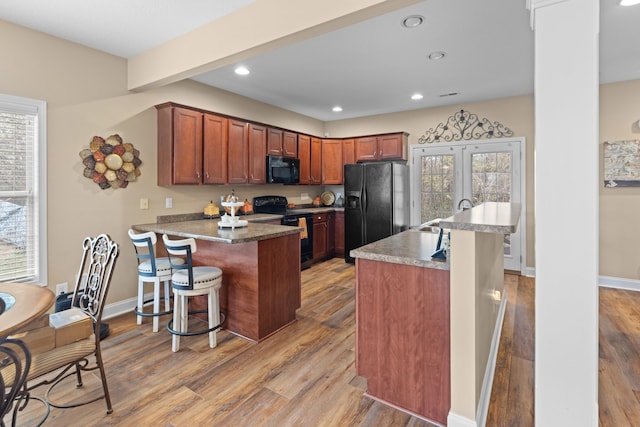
(200, 147)
(332, 165)
(323, 236)
(339, 234)
(316, 161)
(214, 159)
(282, 143)
(238, 160)
(304, 154)
(257, 154)
(348, 151)
(179, 145)
(289, 144)
(380, 147)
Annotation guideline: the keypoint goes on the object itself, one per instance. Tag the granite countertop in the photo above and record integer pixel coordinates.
(207, 229)
(488, 217)
(411, 247)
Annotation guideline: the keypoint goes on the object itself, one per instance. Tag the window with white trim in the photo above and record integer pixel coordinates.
(22, 190)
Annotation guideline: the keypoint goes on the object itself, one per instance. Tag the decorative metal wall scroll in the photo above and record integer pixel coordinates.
(111, 163)
(464, 125)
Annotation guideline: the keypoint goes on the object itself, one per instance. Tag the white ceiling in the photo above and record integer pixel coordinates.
(369, 68)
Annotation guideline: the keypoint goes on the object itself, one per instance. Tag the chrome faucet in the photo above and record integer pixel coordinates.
(466, 207)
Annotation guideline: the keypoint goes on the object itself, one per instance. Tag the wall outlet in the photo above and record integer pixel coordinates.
(61, 288)
(144, 203)
(168, 203)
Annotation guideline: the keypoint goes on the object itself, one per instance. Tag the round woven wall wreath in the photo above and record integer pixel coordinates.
(110, 163)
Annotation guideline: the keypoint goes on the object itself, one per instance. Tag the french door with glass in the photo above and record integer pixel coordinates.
(479, 171)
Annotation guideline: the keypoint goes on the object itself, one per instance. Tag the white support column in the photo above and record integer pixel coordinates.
(566, 213)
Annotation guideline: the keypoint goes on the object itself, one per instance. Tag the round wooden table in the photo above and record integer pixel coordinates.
(21, 304)
(31, 301)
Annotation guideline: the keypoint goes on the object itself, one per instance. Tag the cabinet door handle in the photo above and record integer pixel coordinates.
(198, 174)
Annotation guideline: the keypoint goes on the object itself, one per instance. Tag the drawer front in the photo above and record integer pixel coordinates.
(321, 217)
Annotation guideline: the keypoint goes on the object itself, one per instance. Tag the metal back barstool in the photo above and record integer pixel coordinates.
(151, 270)
(188, 281)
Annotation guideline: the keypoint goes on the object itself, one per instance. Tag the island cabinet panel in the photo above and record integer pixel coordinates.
(179, 145)
(332, 165)
(402, 336)
(238, 149)
(257, 154)
(215, 140)
(260, 290)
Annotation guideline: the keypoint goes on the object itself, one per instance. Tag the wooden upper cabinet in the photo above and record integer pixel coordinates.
(274, 142)
(289, 144)
(215, 138)
(366, 149)
(304, 154)
(316, 161)
(348, 151)
(332, 165)
(257, 154)
(391, 146)
(381, 147)
(282, 143)
(179, 145)
(238, 153)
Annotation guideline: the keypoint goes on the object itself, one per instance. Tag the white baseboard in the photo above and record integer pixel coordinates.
(528, 272)
(124, 306)
(619, 283)
(455, 420)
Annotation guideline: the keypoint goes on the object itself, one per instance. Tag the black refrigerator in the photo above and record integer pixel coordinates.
(376, 204)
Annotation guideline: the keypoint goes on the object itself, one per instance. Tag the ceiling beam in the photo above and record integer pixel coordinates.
(260, 27)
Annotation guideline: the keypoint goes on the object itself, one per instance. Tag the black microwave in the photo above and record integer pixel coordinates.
(283, 170)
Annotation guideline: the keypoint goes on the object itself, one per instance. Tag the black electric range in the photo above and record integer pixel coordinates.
(277, 205)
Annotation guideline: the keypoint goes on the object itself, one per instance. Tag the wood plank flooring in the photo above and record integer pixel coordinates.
(305, 374)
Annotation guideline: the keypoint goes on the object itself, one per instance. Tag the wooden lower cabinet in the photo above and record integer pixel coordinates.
(339, 234)
(402, 336)
(323, 236)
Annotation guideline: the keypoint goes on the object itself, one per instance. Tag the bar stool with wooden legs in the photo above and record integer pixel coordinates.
(188, 281)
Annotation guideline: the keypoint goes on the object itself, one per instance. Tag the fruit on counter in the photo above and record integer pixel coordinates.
(317, 201)
(247, 207)
(291, 205)
(211, 209)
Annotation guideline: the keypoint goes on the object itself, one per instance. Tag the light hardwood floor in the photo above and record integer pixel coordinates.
(305, 374)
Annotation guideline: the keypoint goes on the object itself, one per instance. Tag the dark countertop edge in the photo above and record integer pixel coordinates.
(430, 263)
(166, 228)
(375, 252)
(490, 217)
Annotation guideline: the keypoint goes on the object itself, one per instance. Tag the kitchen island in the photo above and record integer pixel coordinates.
(260, 265)
(427, 329)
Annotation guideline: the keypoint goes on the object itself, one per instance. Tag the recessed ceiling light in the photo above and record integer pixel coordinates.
(412, 21)
(416, 96)
(337, 109)
(242, 71)
(434, 56)
(629, 2)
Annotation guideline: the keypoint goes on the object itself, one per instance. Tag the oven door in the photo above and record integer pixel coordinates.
(306, 243)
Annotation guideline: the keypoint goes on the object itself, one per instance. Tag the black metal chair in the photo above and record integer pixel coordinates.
(90, 293)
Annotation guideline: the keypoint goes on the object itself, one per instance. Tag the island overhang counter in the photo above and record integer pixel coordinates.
(260, 290)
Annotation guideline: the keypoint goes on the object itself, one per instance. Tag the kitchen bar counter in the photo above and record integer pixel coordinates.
(411, 247)
(488, 217)
(207, 229)
(260, 265)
